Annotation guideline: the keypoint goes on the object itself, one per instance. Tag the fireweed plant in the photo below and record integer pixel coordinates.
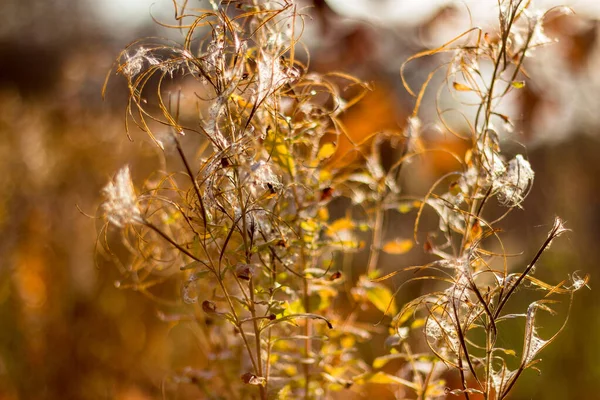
(240, 223)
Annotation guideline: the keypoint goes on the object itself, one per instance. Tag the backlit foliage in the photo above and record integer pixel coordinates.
(243, 222)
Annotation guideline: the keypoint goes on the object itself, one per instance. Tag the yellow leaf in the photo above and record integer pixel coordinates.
(405, 207)
(295, 307)
(437, 388)
(380, 362)
(279, 151)
(417, 323)
(468, 156)
(290, 370)
(381, 297)
(323, 214)
(341, 224)
(383, 378)
(461, 87)
(406, 313)
(347, 342)
(326, 151)
(309, 225)
(398, 246)
(324, 175)
(349, 244)
(242, 102)
(476, 231)
(363, 227)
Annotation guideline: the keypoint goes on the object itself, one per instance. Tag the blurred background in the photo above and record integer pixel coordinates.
(66, 331)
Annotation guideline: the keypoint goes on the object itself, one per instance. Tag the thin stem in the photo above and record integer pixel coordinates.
(488, 357)
(520, 279)
(192, 179)
(175, 244)
(425, 385)
(307, 342)
(463, 379)
(377, 239)
(237, 323)
(263, 393)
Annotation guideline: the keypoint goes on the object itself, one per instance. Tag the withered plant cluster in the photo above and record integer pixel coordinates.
(241, 220)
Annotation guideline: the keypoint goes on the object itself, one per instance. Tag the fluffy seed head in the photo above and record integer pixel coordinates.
(121, 204)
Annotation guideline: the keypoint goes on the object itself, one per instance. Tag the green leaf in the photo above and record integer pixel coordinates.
(295, 307)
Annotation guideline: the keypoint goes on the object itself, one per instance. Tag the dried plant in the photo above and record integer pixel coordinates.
(245, 230)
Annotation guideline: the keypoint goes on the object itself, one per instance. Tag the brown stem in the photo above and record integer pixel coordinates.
(307, 342)
(377, 239)
(513, 287)
(263, 392)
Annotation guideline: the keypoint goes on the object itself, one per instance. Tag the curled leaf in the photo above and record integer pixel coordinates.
(461, 87)
(244, 271)
(189, 290)
(326, 194)
(336, 275)
(251, 379)
(209, 307)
